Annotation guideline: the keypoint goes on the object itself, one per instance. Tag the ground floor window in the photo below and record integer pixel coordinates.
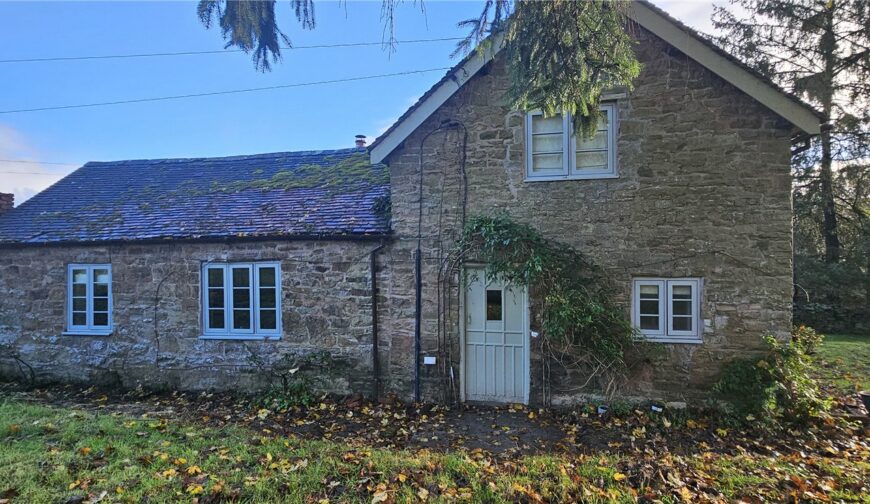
(89, 299)
(667, 309)
(241, 300)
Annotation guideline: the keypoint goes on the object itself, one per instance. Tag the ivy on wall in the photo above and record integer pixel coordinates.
(582, 326)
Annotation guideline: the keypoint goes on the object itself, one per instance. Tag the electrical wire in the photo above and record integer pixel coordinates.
(30, 161)
(216, 93)
(220, 51)
(32, 173)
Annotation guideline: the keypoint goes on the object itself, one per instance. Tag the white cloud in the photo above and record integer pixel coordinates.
(24, 179)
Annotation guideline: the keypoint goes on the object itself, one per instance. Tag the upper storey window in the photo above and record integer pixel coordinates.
(556, 153)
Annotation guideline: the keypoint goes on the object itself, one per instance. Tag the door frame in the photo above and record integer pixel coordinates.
(463, 292)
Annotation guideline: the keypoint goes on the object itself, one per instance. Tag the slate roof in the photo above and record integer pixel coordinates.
(335, 193)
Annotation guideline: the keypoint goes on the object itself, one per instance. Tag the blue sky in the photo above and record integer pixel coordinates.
(318, 117)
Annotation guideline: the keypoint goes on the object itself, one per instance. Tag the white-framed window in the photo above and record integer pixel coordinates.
(667, 309)
(241, 300)
(554, 152)
(89, 299)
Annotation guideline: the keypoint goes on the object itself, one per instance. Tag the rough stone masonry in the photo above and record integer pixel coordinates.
(703, 191)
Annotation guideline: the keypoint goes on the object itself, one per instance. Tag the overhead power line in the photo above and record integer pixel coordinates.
(221, 51)
(31, 161)
(32, 173)
(216, 93)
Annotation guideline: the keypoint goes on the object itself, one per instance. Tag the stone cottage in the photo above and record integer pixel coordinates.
(191, 273)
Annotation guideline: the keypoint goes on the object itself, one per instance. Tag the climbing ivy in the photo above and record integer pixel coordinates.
(581, 323)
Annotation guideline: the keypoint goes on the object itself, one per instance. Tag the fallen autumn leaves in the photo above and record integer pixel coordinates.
(69, 445)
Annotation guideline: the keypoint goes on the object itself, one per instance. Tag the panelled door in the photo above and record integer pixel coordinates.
(496, 350)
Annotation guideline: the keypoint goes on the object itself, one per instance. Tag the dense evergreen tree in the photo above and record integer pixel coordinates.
(562, 53)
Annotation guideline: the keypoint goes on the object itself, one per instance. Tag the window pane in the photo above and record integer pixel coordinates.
(541, 124)
(268, 319)
(599, 141)
(101, 319)
(79, 304)
(547, 143)
(241, 298)
(101, 304)
(649, 291)
(101, 276)
(215, 277)
(240, 277)
(241, 319)
(80, 276)
(80, 289)
(649, 322)
(493, 305)
(216, 319)
(79, 319)
(682, 308)
(216, 298)
(267, 298)
(99, 290)
(267, 277)
(682, 323)
(591, 160)
(547, 163)
(682, 291)
(649, 307)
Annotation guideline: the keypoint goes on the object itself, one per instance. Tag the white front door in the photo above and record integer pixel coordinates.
(496, 351)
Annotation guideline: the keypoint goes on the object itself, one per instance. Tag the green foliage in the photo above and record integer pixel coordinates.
(578, 313)
(252, 26)
(807, 338)
(563, 54)
(777, 388)
(293, 379)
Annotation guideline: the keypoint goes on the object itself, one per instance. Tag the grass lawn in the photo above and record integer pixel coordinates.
(844, 362)
(51, 454)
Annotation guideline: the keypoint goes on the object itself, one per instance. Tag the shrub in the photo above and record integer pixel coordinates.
(293, 379)
(807, 338)
(777, 388)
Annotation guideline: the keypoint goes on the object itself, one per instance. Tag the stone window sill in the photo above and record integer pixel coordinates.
(239, 337)
(559, 178)
(665, 339)
(87, 333)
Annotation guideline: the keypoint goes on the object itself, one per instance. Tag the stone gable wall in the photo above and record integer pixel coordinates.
(703, 191)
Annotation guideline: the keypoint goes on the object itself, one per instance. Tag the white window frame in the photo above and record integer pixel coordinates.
(88, 329)
(666, 332)
(254, 331)
(569, 149)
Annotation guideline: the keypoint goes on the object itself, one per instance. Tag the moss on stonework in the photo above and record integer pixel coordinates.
(351, 172)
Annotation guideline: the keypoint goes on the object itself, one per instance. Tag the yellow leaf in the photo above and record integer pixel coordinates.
(268, 456)
(618, 477)
(84, 450)
(691, 424)
(194, 469)
(722, 432)
(423, 494)
(402, 477)
(194, 489)
(180, 461)
(119, 490)
(75, 484)
(263, 413)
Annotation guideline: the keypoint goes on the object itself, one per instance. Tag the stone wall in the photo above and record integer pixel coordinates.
(326, 297)
(703, 191)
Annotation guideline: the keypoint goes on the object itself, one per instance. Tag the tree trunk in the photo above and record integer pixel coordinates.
(829, 210)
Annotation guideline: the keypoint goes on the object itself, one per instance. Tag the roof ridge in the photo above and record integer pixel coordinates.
(228, 158)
